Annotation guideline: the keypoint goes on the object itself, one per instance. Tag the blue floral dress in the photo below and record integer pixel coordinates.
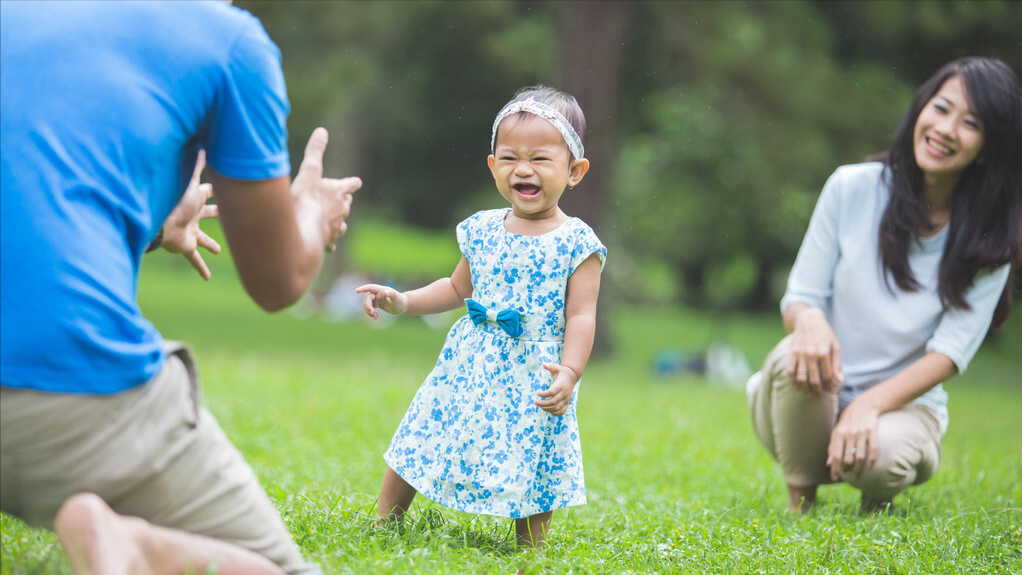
(473, 438)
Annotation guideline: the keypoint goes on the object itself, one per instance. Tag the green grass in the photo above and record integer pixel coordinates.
(676, 480)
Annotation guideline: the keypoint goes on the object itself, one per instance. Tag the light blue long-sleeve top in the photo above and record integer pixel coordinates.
(882, 330)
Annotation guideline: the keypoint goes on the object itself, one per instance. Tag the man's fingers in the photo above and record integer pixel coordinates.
(312, 163)
(209, 211)
(200, 164)
(204, 241)
(197, 262)
(348, 185)
(205, 191)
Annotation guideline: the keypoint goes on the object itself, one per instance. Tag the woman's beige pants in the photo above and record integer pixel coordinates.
(796, 430)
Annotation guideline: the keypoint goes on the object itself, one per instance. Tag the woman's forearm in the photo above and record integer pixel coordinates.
(908, 384)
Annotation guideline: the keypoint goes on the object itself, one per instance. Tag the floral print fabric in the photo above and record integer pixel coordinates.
(473, 439)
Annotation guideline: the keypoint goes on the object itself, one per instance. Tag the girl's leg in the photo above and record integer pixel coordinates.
(395, 497)
(531, 531)
(794, 427)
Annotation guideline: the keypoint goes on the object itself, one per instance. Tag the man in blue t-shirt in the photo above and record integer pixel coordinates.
(105, 108)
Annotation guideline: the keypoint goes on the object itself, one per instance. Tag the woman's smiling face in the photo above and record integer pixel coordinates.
(948, 136)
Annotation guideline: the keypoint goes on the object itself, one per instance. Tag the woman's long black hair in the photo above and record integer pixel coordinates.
(986, 211)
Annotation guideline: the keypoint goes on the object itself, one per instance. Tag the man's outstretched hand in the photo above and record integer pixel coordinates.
(181, 232)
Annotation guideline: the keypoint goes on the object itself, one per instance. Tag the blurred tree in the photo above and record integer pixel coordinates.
(592, 33)
(714, 124)
(740, 117)
(916, 38)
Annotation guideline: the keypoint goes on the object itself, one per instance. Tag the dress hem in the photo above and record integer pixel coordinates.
(480, 511)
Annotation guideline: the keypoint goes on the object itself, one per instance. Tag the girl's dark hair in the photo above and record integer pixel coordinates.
(563, 102)
(985, 230)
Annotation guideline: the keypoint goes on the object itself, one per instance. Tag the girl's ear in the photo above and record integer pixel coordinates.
(577, 171)
(490, 160)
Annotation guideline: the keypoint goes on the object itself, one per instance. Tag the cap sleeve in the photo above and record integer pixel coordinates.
(465, 234)
(586, 244)
(961, 331)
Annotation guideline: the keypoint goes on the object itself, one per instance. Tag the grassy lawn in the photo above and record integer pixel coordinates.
(676, 480)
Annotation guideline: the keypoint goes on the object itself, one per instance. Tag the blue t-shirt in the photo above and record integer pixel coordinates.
(105, 106)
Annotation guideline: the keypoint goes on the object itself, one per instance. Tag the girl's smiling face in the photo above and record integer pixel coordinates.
(948, 136)
(531, 166)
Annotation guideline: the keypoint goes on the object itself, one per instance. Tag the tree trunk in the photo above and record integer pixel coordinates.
(759, 297)
(590, 60)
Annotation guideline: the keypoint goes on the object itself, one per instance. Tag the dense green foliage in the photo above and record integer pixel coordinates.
(677, 482)
(712, 125)
(720, 121)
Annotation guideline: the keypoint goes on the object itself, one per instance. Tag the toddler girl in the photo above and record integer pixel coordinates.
(493, 429)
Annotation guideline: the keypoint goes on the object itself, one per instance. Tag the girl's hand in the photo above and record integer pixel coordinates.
(382, 297)
(853, 441)
(814, 365)
(559, 393)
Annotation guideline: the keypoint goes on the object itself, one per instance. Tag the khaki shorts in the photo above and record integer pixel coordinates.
(152, 452)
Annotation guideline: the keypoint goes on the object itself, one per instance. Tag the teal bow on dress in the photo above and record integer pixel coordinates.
(508, 319)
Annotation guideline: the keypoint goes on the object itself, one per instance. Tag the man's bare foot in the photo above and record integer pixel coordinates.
(98, 541)
(801, 499)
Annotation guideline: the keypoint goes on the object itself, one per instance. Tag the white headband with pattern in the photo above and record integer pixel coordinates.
(546, 112)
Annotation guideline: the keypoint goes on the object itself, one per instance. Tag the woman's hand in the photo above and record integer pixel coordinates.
(853, 441)
(382, 297)
(814, 365)
(558, 395)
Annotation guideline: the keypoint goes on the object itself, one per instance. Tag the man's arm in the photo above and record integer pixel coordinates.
(277, 230)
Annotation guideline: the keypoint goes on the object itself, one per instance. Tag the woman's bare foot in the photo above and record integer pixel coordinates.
(875, 506)
(801, 499)
(98, 541)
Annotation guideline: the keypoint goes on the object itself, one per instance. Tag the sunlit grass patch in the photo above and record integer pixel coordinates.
(676, 480)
